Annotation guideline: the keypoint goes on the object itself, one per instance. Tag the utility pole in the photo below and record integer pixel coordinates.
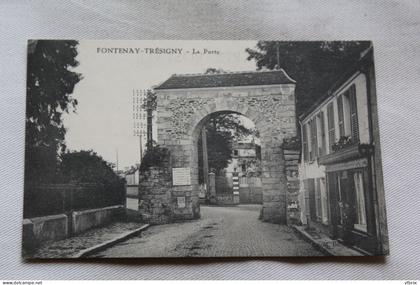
(149, 110)
(205, 160)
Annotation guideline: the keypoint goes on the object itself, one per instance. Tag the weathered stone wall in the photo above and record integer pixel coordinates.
(182, 113)
(292, 175)
(39, 230)
(88, 219)
(155, 198)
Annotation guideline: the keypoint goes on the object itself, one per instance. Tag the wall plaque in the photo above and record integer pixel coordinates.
(180, 202)
(181, 176)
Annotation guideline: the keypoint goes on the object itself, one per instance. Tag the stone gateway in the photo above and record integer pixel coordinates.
(184, 103)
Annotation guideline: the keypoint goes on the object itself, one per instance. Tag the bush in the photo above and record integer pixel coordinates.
(155, 156)
(87, 168)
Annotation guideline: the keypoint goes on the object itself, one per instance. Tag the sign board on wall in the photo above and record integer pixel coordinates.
(181, 176)
(180, 201)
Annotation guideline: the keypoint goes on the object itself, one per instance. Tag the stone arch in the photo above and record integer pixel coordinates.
(181, 112)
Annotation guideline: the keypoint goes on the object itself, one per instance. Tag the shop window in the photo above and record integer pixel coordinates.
(324, 201)
(321, 201)
(341, 195)
(360, 223)
(318, 204)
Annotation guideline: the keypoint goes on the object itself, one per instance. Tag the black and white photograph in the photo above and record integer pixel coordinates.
(204, 148)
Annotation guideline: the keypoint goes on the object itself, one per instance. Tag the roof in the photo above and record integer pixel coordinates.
(228, 79)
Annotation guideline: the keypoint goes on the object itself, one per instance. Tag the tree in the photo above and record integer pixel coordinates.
(50, 83)
(87, 167)
(314, 65)
(221, 129)
(213, 70)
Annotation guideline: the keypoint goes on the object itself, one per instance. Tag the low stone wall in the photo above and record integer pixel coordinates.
(87, 219)
(38, 230)
(42, 229)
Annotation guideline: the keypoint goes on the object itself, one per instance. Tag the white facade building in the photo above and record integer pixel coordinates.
(342, 115)
(341, 183)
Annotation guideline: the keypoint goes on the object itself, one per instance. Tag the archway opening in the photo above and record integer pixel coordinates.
(227, 156)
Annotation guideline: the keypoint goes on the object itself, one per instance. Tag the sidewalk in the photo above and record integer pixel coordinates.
(325, 244)
(91, 240)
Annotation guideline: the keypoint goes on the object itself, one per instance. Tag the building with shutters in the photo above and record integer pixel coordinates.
(341, 182)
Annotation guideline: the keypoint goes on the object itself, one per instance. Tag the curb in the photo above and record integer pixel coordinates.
(322, 248)
(88, 251)
(309, 239)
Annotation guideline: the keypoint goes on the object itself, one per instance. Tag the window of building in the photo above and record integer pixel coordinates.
(340, 191)
(235, 152)
(320, 202)
(331, 127)
(360, 223)
(243, 167)
(305, 142)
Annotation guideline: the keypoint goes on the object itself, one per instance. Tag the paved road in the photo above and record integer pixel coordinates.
(222, 231)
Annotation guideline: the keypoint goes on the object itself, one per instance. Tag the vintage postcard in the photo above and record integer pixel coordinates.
(138, 149)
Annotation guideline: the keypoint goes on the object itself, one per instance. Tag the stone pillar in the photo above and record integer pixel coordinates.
(212, 188)
(273, 183)
(205, 158)
(155, 197)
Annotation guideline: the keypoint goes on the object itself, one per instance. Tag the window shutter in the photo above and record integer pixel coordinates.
(312, 199)
(331, 130)
(322, 131)
(353, 115)
(305, 143)
(314, 140)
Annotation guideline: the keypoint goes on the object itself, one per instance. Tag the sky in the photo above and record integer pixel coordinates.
(103, 118)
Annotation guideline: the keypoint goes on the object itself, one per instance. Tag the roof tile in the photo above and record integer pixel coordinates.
(249, 78)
